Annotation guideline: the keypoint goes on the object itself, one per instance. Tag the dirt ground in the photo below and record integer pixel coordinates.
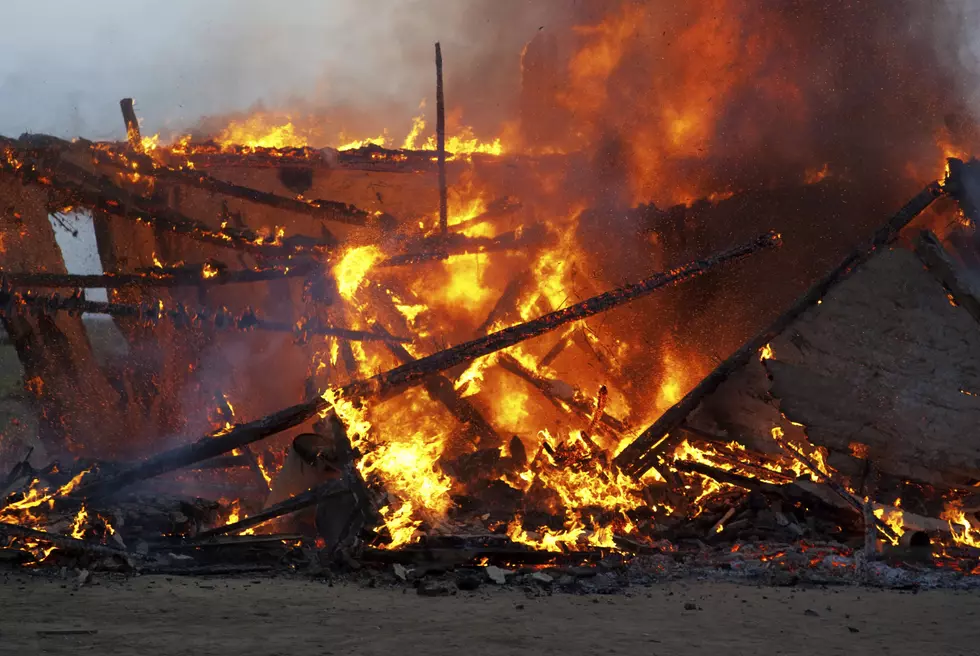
(257, 616)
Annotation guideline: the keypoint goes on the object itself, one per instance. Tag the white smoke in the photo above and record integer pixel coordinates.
(66, 63)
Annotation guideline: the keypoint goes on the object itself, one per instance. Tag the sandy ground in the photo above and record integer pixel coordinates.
(161, 615)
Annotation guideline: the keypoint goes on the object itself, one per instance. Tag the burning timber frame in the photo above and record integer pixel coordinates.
(39, 161)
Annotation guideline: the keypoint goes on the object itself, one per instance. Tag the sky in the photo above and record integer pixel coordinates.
(66, 63)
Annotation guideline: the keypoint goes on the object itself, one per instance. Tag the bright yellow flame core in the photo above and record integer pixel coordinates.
(353, 267)
(260, 131)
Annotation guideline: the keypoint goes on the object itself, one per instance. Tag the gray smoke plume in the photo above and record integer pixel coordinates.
(68, 63)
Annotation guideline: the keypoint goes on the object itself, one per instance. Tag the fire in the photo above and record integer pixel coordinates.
(418, 126)
(465, 287)
(463, 144)
(816, 456)
(151, 143)
(381, 141)
(767, 353)
(236, 514)
(813, 176)
(79, 525)
(264, 468)
(210, 270)
(584, 482)
(352, 268)
(894, 518)
(405, 461)
(36, 497)
(276, 132)
(260, 131)
(962, 529)
(401, 524)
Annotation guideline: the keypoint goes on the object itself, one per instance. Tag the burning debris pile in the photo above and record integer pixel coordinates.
(493, 382)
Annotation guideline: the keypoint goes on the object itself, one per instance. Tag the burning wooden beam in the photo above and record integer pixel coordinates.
(98, 192)
(497, 209)
(564, 341)
(507, 303)
(205, 275)
(132, 124)
(413, 373)
(326, 210)
(289, 506)
(64, 542)
(10, 301)
(442, 247)
(441, 145)
(442, 390)
(563, 396)
(637, 458)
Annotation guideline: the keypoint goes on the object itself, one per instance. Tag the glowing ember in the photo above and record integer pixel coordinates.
(210, 271)
(813, 176)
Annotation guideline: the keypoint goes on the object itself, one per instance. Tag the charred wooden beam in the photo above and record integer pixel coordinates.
(937, 260)
(342, 533)
(289, 506)
(498, 209)
(723, 476)
(132, 125)
(100, 192)
(507, 303)
(441, 145)
(442, 390)
(312, 326)
(197, 276)
(252, 462)
(564, 341)
(963, 184)
(441, 248)
(857, 504)
(564, 397)
(637, 458)
(223, 462)
(414, 373)
(13, 301)
(64, 542)
(326, 210)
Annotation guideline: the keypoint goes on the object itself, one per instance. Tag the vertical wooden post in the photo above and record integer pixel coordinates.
(132, 124)
(441, 144)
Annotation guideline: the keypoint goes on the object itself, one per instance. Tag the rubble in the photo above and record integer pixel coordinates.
(832, 448)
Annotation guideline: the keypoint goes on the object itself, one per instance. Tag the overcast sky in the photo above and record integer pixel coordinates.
(66, 63)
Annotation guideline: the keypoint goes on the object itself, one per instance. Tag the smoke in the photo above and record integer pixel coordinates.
(957, 40)
(736, 94)
(68, 63)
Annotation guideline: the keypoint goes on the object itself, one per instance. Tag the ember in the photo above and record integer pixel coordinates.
(533, 347)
